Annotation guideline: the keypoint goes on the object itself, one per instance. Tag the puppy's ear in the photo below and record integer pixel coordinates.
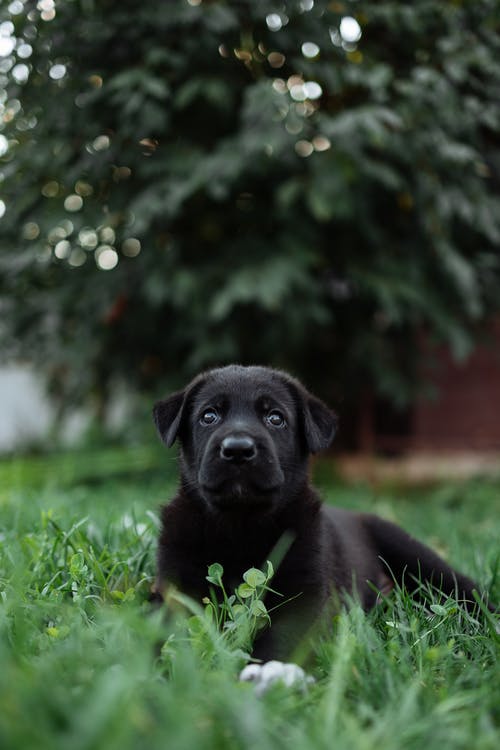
(320, 424)
(167, 415)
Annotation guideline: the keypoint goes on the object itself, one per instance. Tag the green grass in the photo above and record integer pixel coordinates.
(84, 663)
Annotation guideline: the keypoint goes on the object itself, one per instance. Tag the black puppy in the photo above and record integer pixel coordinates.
(246, 434)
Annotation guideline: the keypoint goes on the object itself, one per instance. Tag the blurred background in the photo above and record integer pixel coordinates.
(304, 184)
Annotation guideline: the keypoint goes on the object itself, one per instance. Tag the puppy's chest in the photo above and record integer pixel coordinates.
(300, 566)
(236, 553)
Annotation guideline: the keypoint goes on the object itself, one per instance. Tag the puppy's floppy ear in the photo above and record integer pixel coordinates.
(320, 424)
(167, 415)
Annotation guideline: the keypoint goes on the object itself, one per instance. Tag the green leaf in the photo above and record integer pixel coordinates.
(77, 567)
(245, 590)
(258, 608)
(215, 573)
(270, 570)
(239, 610)
(438, 609)
(254, 577)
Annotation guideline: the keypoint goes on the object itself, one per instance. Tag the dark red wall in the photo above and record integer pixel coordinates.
(464, 415)
(466, 412)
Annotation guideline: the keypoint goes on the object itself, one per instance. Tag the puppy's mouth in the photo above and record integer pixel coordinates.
(236, 494)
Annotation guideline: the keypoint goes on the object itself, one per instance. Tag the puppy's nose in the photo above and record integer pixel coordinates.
(238, 448)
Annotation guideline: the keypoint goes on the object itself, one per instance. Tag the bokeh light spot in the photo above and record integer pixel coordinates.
(310, 50)
(57, 72)
(243, 54)
(87, 237)
(321, 143)
(274, 22)
(101, 143)
(24, 51)
(56, 234)
(7, 44)
(276, 59)
(7, 28)
(350, 30)
(280, 86)
(106, 257)
(31, 230)
(335, 37)
(312, 90)
(297, 92)
(16, 8)
(83, 188)
(107, 235)
(121, 173)
(62, 250)
(6, 64)
(67, 226)
(304, 148)
(20, 73)
(47, 8)
(73, 203)
(131, 247)
(77, 258)
(294, 126)
(50, 189)
(149, 144)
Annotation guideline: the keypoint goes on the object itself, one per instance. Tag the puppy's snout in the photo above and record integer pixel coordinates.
(238, 448)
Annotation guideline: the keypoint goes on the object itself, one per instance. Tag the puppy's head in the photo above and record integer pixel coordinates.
(245, 435)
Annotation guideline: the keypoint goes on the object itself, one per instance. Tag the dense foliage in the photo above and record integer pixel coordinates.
(299, 183)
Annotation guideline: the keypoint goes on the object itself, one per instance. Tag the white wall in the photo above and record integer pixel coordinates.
(25, 413)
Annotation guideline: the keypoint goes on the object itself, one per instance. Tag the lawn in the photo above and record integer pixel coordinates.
(85, 663)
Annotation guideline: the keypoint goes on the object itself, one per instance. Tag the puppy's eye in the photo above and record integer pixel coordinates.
(209, 417)
(275, 418)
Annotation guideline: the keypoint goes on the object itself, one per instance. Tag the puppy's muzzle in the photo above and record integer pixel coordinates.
(238, 449)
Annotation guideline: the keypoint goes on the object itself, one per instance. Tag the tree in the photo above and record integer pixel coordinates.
(306, 184)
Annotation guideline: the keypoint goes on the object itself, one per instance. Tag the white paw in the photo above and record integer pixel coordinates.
(265, 675)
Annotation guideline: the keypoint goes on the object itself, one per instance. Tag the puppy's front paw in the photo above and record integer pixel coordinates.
(272, 672)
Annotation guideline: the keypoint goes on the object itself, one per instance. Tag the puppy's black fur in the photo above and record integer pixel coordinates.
(246, 434)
